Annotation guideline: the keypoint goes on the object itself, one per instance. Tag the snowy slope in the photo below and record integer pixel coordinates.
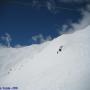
(47, 70)
(9, 57)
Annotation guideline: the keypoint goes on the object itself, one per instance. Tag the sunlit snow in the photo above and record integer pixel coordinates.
(39, 67)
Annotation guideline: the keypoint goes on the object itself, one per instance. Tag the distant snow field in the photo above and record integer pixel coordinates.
(40, 67)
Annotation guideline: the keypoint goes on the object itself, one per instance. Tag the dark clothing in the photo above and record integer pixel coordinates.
(60, 49)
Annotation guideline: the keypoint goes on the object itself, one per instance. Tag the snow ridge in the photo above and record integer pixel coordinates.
(47, 70)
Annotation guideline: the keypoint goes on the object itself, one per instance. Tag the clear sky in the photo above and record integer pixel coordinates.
(23, 19)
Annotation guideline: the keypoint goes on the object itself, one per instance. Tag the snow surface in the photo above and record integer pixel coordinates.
(39, 67)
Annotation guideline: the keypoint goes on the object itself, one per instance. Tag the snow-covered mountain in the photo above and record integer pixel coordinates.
(40, 67)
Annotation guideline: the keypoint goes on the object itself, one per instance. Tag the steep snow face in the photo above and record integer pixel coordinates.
(47, 70)
(9, 57)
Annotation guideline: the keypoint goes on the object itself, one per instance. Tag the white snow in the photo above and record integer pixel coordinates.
(39, 67)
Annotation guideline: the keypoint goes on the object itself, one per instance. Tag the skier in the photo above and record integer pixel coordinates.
(60, 49)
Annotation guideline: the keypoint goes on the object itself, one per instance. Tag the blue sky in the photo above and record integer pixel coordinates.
(24, 19)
